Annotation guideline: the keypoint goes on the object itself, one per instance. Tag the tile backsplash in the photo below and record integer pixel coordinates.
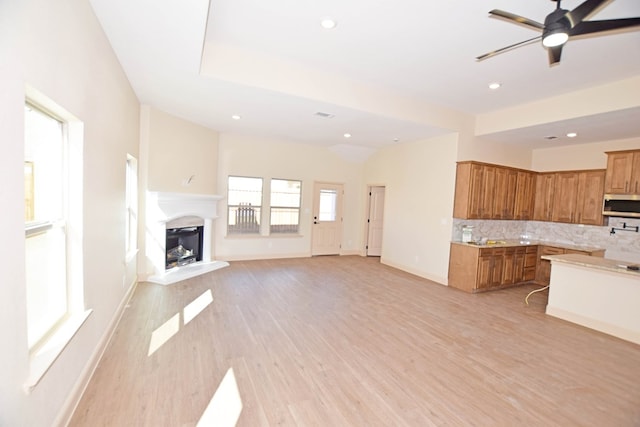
(622, 245)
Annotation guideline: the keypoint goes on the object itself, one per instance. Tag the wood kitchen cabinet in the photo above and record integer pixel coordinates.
(543, 271)
(485, 191)
(565, 197)
(477, 269)
(590, 197)
(623, 172)
(504, 193)
(573, 197)
(524, 195)
(545, 186)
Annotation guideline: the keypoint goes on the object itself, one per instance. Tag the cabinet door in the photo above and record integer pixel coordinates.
(505, 191)
(590, 196)
(518, 266)
(543, 273)
(545, 183)
(508, 270)
(496, 273)
(488, 191)
(634, 182)
(485, 272)
(524, 195)
(475, 191)
(619, 170)
(565, 197)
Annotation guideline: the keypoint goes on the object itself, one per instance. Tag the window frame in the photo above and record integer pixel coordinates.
(273, 207)
(248, 212)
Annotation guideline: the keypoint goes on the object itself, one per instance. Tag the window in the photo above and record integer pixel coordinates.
(244, 200)
(131, 226)
(328, 205)
(53, 184)
(285, 206)
(45, 223)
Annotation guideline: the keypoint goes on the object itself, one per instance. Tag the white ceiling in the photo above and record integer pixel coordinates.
(390, 71)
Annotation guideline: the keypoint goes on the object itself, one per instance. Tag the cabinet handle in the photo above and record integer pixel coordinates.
(626, 186)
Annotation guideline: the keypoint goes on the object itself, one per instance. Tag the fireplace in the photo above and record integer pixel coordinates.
(184, 246)
(179, 236)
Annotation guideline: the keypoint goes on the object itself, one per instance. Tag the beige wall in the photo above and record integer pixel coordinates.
(584, 156)
(419, 179)
(177, 151)
(243, 155)
(59, 49)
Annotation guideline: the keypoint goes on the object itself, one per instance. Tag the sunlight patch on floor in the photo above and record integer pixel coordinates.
(225, 406)
(172, 326)
(163, 333)
(196, 306)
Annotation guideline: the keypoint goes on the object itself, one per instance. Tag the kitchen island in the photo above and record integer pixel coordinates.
(598, 293)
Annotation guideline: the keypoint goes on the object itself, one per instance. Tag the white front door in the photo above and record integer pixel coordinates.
(375, 221)
(327, 219)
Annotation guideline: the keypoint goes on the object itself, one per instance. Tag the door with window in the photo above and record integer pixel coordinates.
(327, 219)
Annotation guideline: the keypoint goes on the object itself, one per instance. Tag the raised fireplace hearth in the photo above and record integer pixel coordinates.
(179, 236)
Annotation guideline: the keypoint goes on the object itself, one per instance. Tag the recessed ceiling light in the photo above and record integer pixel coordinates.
(572, 134)
(236, 117)
(328, 23)
(396, 139)
(494, 85)
(347, 135)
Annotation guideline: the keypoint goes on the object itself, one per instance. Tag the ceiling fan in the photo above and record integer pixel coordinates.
(561, 24)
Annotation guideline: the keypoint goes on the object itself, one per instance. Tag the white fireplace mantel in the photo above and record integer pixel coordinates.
(163, 207)
(175, 205)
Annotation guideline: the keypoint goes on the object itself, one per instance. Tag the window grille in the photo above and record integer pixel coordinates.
(244, 205)
(285, 206)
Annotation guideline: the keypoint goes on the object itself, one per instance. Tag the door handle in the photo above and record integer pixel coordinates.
(315, 219)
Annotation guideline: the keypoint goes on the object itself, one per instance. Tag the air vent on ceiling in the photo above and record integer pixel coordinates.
(324, 115)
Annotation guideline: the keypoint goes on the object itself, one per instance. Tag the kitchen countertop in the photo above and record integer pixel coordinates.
(516, 243)
(594, 262)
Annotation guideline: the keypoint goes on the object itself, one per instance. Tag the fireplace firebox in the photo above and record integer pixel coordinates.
(183, 246)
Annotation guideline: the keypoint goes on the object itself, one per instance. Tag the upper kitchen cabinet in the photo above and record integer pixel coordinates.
(467, 202)
(524, 195)
(545, 186)
(505, 193)
(565, 197)
(623, 172)
(485, 191)
(590, 195)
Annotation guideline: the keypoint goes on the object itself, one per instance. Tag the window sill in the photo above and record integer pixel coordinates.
(260, 236)
(44, 357)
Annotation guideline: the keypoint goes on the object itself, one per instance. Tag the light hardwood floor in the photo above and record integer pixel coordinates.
(346, 341)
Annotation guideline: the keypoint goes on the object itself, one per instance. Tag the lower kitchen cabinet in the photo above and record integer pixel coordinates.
(543, 271)
(477, 269)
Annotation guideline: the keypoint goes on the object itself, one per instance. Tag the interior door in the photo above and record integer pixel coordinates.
(327, 219)
(375, 221)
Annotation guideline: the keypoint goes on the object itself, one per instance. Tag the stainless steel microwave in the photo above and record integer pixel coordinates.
(625, 205)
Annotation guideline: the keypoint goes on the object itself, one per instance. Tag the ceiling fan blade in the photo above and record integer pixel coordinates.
(590, 27)
(495, 52)
(577, 15)
(517, 18)
(554, 54)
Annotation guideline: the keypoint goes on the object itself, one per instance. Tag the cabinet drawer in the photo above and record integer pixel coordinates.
(550, 250)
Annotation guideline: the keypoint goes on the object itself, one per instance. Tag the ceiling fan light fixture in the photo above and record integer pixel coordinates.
(555, 38)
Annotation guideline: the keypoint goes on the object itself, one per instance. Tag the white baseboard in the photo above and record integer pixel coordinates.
(72, 401)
